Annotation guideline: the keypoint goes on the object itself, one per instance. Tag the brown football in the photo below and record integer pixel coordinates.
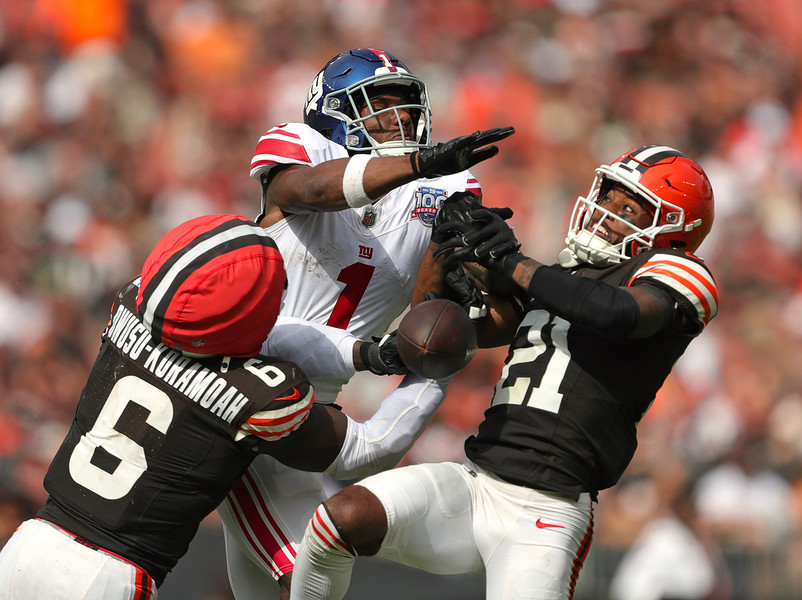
(436, 339)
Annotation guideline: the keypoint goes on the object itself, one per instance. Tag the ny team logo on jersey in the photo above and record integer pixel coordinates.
(428, 201)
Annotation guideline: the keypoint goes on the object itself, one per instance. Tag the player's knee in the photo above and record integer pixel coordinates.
(360, 518)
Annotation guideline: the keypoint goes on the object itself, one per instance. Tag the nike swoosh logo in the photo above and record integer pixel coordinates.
(541, 525)
(294, 396)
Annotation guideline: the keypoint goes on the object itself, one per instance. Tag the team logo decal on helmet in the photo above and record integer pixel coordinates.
(676, 191)
(212, 285)
(343, 89)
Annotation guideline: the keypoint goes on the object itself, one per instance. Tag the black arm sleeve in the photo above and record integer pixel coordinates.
(589, 303)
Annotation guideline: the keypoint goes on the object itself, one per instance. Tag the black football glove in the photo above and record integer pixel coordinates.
(453, 218)
(466, 293)
(452, 212)
(381, 356)
(459, 154)
(490, 241)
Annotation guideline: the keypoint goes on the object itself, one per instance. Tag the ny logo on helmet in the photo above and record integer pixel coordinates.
(314, 95)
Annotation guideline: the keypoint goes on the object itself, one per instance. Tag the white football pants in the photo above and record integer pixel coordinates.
(43, 562)
(448, 518)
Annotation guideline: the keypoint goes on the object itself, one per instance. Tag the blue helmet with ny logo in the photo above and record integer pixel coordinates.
(339, 106)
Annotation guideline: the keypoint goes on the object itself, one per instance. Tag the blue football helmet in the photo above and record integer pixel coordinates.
(345, 85)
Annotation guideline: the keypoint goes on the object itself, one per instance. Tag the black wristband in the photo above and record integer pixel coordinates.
(509, 262)
(413, 161)
(364, 354)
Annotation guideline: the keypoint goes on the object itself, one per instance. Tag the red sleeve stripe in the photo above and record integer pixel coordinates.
(325, 530)
(279, 415)
(272, 425)
(266, 418)
(259, 423)
(688, 278)
(273, 434)
(278, 147)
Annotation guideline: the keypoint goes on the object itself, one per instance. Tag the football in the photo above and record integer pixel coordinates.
(436, 339)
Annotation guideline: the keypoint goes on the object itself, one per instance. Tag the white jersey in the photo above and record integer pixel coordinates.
(352, 269)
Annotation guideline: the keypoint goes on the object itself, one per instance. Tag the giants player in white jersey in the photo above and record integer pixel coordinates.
(349, 197)
(598, 334)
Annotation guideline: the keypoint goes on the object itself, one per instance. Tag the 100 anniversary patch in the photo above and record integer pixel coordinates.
(428, 201)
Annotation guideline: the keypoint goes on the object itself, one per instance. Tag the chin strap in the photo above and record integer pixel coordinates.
(583, 246)
(567, 259)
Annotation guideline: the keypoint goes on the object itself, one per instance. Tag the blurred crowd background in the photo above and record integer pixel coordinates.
(121, 118)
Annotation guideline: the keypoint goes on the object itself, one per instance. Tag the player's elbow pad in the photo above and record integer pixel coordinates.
(589, 303)
(383, 440)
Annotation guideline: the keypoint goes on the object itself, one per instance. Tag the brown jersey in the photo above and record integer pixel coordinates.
(565, 411)
(159, 438)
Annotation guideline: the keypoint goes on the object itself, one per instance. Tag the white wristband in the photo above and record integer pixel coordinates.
(353, 190)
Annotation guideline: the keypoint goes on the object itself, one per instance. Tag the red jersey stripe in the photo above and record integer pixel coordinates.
(271, 434)
(688, 278)
(696, 270)
(276, 145)
(669, 276)
(279, 417)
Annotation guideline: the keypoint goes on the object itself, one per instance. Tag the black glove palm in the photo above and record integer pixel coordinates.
(486, 241)
(455, 209)
(454, 216)
(459, 154)
(466, 293)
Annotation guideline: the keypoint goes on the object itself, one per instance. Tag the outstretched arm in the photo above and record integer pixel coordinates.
(354, 182)
(331, 441)
(382, 441)
(335, 184)
(329, 357)
(618, 312)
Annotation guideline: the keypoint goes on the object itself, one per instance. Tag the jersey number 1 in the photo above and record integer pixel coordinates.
(356, 279)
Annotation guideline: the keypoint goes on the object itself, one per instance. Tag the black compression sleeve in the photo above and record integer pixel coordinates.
(589, 303)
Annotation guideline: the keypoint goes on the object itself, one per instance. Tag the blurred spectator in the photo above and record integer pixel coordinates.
(671, 559)
(119, 118)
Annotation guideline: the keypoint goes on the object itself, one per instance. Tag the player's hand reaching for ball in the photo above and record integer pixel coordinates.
(454, 215)
(464, 291)
(459, 154)
(486, 238)
(381, 356)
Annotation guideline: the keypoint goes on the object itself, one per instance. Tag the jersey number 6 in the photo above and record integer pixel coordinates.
(104, 437)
